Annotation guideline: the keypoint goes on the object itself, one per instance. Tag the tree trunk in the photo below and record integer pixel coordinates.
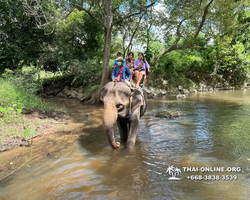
(107, 21)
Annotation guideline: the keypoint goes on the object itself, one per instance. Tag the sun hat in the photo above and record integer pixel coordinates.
(119, 59)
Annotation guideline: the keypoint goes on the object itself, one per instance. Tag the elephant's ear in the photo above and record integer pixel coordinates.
(137, 100)
(103, 93)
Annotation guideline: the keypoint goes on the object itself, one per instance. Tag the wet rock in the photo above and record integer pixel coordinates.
(185, 91)
(180, 88)
(164, 82)
(155, 94)
(73, 93)
(169, 114)
(181, 96)
(193, 91)
(210, 89)
(163, 92)
(147, 90)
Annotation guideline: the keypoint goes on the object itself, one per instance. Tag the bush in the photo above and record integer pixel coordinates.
(17, 97)
(86, 72)
(25, 78)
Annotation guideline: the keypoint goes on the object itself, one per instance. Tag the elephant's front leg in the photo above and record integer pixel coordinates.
(123, 129)
(133, 129)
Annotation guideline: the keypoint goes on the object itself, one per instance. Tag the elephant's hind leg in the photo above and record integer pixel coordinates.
(123, 129)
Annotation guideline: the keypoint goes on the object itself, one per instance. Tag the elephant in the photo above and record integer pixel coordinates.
(124, 106)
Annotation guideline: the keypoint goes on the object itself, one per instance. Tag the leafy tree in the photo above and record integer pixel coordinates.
(186, 20)
(76, 37)
(20, 39)
(232, 63)
(108, 13)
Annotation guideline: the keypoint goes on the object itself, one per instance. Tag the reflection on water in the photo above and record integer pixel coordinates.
(214, 133)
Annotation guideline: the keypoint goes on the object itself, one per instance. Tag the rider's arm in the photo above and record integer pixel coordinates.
(113, 65)
(114, 74)
(137, 64)
(130, 64)
(129, 73)
(147, 66)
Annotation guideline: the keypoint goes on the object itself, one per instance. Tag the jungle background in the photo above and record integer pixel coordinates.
(73, 43)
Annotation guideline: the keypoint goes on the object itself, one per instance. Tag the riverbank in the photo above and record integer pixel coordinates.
(54, 131)
(47, 143)
(23, 115)
(35, 123)
(152, 92)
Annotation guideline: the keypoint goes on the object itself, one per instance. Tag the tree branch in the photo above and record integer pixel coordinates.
(189, 46)
(133, 33)
(172, 48)
(133, 14)
(86, 11)
(100, 8)
(203, 19)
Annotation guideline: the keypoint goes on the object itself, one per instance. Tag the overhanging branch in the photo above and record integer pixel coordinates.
(188, 46)
(133, 14)
(86, 11)
(203, 19)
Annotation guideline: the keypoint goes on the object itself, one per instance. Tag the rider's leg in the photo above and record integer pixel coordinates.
(139, 79)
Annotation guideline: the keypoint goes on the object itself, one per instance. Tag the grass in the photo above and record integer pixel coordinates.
(91, 89)
(16, 97)
(13, 99)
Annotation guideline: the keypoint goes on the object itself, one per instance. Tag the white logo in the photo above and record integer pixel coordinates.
(173, 172)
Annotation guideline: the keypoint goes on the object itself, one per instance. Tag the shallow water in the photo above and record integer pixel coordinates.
(214, 133)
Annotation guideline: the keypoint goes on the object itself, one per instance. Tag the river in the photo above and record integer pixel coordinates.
(214, 135)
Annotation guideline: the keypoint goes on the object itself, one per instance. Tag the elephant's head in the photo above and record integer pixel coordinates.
(119, 102)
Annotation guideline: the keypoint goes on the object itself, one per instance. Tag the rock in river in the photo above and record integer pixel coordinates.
(169, 114)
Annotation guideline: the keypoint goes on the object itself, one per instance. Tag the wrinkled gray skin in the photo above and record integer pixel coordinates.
(116, 99)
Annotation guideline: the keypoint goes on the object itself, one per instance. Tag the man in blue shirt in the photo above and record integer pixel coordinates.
(120, 72)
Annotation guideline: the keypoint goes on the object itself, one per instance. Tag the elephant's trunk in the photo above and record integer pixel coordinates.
(109, 118)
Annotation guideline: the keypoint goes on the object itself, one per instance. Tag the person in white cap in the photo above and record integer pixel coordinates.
(121, 72)
(119, 54)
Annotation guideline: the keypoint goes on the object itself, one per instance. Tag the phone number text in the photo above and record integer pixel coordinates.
(212, 177)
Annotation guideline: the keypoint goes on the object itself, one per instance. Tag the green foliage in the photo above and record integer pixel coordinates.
(10, 115)
(67, 78)
(28, 132)
(91, 89)
(233, 64)
(77, 38)
(172, 68)
(86, 73)
(20, 39)
(73, 44)
(148, 55)
(27, 78)
(18, 98)
(220, 62)
(116, 46)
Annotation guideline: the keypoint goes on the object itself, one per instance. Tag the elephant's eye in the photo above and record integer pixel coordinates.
(119, 106)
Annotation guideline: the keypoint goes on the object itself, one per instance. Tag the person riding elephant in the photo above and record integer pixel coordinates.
(125, 107)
